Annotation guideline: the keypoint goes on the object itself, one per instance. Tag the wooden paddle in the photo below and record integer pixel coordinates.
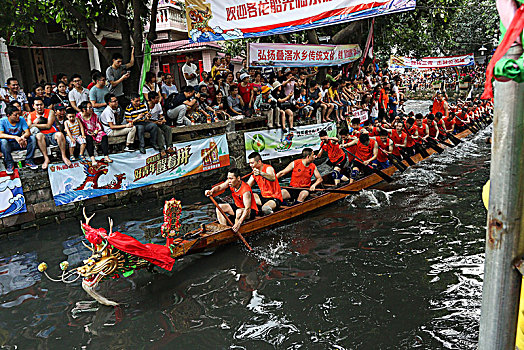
(433, 144)
(444, 142)
(453, 138)
(406, 156)
(401, 167)
(334, 190)
(230, 223)
(376, 171)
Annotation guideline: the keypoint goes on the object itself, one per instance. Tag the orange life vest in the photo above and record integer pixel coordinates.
(301, 175)
(238, 196)
(268, 189)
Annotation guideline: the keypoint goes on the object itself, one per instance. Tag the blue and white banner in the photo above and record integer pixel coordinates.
(213, 20)
(83, 180)
(274, 143)
(12, 200)
(431, 62)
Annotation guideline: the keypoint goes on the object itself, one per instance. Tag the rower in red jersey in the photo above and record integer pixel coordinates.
(412, 134)
(422, 129)
(461, 120)
(345, 139)
(270, 198)
(244, 207)
(302, 172)
(432, 125)
(440, 105)
(371, 129)
(367, 151)
(385, 148)
(355, 127)
(337, 157)
(449, 123)
(400, 140)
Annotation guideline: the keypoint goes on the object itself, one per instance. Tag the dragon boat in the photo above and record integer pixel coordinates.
(116, 254)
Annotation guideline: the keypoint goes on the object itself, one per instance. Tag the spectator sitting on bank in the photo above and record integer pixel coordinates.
(93, 132)
(61, 77)
(60, 96)
(78, 93)
(304, 106)
(168, 87)
(49, 133)
(116, 73)
(151, 85)
(93, 81)
(285, 104)
(111, 128)
(179, 105)
(266, 105)
(137, 114)
(14, 136)
(38, 91)
(14, 93)
(48, 94)
(60, 116)
(165, 134)
(220, 106)
(75, 133)
(234, 102)
(97, 94)
(205, 114)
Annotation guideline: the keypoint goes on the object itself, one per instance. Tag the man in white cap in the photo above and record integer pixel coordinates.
(246, 92)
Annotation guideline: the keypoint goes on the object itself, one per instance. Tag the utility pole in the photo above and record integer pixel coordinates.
(505, 228)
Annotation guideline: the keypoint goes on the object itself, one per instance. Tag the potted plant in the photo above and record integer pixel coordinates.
(436, 84)
(464, 83)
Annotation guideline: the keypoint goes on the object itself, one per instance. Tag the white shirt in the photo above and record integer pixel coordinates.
(156, 112)
(79, 97)
(107, 115)
(190, 69)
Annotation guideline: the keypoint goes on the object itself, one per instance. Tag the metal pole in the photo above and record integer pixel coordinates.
(501, 288)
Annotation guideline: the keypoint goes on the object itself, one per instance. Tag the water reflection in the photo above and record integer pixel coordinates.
(399, 266)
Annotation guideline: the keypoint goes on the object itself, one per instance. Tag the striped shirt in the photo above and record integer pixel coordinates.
(132, 112)
(74, 127)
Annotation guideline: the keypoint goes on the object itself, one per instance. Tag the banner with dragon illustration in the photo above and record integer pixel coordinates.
(274, 143)
(214, 20)
(299, 55)
(12, 199)
(431, 62)
(82, 180)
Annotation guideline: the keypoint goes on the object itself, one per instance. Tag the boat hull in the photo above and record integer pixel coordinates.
(216, 234)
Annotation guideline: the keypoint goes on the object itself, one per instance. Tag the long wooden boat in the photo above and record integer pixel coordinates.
(116, 254)
(214, 234)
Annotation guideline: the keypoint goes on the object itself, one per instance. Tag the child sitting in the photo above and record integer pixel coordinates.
(304, 106)
(75, 133)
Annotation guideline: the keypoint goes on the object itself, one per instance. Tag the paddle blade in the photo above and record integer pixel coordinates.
(383, 175)
(454, 139)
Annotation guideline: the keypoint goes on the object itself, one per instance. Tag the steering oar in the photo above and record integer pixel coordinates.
(229, 222)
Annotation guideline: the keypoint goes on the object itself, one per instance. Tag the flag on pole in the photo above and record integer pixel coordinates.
(368, 51)
(145, 67)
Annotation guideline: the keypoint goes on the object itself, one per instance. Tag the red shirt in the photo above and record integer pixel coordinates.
(410, 133)
(333, 150)
(301, 175)
(238, 196)
(245, 92)
(381, 155)
(365, 152)
(268, 189)
(432, 128)
(397, 139)
(33, 117)
(422, 132)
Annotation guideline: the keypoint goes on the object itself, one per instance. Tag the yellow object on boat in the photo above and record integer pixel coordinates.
(485, 194)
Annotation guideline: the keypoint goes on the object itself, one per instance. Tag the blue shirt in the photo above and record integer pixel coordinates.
(16, 130)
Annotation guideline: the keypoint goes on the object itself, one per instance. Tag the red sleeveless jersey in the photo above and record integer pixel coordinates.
(365, 152)
(238, 196)
(301, 175)
(410, 133)
(381, 155)
(268, 189)
(421, 132)
(397, 139)
(333, 150)
(448, 122)
(432, 128)
(438, 106)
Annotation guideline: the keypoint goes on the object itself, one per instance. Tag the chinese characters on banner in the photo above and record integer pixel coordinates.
(213, 20)
(297, 55)
(83, 180)
(431, 62)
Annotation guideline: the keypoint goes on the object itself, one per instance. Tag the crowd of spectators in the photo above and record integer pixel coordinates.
(75, 118)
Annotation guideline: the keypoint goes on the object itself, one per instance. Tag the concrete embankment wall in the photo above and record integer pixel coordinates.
(41, 209)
